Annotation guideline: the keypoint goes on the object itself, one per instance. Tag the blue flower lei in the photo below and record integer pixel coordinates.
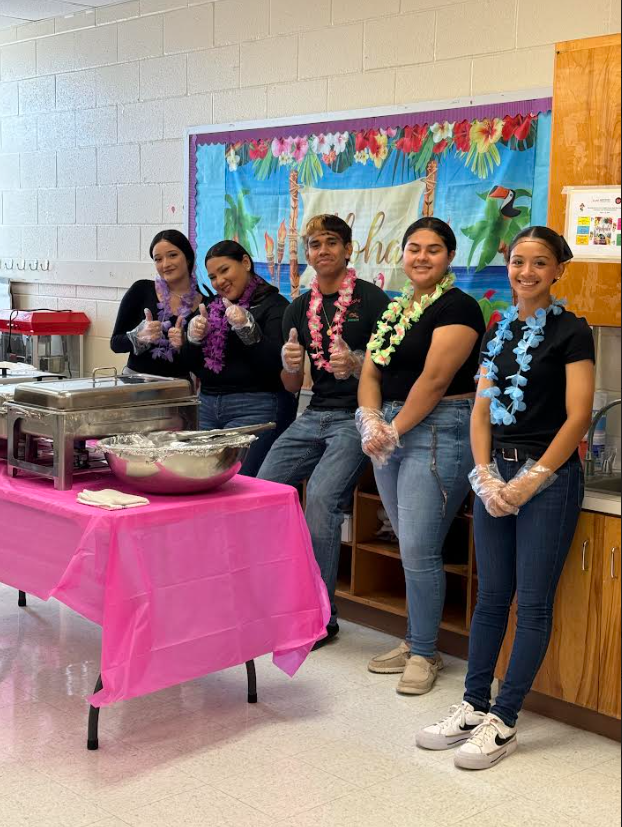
(533, 336)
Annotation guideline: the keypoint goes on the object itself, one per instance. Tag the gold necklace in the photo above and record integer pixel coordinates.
(329, 327)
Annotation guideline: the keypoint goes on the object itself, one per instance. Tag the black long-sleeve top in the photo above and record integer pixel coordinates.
(252, 368)
(140, 296)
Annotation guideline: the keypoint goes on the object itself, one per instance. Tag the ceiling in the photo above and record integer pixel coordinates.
(16, 12)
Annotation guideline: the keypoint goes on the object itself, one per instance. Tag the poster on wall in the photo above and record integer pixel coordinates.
(484, 169)
(594, 222)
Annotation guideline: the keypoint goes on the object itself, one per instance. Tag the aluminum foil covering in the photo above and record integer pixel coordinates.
(162, 445)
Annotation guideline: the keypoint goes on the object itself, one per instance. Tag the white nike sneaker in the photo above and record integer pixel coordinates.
(453, 730)
(489, 744)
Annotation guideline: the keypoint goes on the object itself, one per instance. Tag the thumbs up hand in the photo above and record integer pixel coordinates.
(293, 353)
(237, 316)
(149, 331)
(176, 334)
(343, 362)
(199, 326)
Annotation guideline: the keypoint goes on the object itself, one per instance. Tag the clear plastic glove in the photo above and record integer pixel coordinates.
(199, 326)
(379, 438)
(238, 317)
(530, 480)
(344, 362)
(176, 334)
(293, 353)
(487, 482)
(149, 331)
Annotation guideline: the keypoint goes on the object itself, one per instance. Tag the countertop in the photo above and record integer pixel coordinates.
(602, 503)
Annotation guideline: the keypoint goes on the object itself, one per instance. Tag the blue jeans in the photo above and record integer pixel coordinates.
(422, 489)
(235, 410)
(323, 447)
(524, 555)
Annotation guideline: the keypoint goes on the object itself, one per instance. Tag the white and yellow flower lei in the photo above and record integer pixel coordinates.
(399, 318)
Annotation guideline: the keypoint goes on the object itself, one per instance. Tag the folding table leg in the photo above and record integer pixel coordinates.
(252, 682)
(21, 600)
(93, 732)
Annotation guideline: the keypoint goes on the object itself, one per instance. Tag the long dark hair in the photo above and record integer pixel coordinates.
(233, 250)
(554, 241)
(178, 240)
(435, 225)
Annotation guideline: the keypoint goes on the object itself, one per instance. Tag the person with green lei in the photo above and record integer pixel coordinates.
(416, 396)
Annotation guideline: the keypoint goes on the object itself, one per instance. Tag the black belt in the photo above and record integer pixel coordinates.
(510, 453)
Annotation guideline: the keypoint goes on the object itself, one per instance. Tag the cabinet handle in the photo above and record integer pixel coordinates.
(584, 565)
(614, 551)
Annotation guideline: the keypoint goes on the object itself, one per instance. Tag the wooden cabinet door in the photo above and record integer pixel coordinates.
(610, 654)
(570, 670)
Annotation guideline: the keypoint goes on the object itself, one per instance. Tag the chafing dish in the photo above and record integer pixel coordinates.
(72, 411)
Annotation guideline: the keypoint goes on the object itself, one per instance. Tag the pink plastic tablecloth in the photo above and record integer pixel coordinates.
(183, 587)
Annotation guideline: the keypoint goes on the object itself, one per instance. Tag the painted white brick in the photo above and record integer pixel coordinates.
(348, 11)
(288, 17)
(433, 81)
(24, 288)
(19, 134)
(172, 203)
(162, 162)
(269, 61)
(331, 52)
(187, 30)
(239, 20)
(76, 167)
(19, 207)
(240, 105)
(118, 243)
(297, 98)
(34, 302)
(76, 90)
(118, 84)
(9, 99)
(615, 23)
(476, 28)
(96, 205)
(37, 95)
(60, 291)
(399, 41)
(96, 47)
(40, 242)
(118, 164)
(214, 70)
(77, 244)
(99, 294)
(140, 204)
(362, 91)
(96, 127)
(163, 77)
(10, 241)
(140, 39)
(38, 170)
(35, 29)
(117, 13)
(181, 113)
(510, 71)
(97, 353)
(56, 130)
(424, 5)
(140, 122)
(558, 20)
(57, 206)
(157, 6)
(105, 319)
(8, 35)
(72, 22)
(9, 172)
(18, 61)
(57, 54)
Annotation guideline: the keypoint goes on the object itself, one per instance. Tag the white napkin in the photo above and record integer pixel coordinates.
(110, 500)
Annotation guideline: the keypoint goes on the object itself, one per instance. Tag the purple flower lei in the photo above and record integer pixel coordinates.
(163, 348)
(214, 347)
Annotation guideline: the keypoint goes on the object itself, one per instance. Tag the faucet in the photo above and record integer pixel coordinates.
(589, 458)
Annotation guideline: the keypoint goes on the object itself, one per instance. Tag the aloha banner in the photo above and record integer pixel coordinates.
(483, 169)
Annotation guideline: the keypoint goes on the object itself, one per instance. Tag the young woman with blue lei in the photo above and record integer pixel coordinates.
(535, 395)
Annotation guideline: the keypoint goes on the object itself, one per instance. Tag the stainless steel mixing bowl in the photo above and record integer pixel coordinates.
(177, 463)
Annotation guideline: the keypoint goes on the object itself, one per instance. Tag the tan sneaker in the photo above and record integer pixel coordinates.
(393, 663)
(419, 675)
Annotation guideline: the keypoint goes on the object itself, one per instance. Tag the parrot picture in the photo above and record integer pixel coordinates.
(502, 221)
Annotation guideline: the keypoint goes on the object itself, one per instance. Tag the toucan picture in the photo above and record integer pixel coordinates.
(502, 221)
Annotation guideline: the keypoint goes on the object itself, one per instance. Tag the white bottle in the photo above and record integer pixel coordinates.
(600, 434)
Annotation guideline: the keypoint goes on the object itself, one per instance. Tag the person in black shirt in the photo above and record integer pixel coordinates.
(331, 323)
(234, 347)
(534, 406)
(416, 398)
(153, 316)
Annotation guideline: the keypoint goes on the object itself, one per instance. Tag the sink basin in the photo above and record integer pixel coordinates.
(604, 485)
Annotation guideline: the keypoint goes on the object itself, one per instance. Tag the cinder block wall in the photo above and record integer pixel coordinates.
(93, 107)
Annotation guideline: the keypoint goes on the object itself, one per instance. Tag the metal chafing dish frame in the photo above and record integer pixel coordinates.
(65, 425)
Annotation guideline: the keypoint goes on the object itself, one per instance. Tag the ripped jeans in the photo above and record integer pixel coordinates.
(422, 489)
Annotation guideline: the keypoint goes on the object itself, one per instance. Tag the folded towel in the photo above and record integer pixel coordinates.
(110, 500)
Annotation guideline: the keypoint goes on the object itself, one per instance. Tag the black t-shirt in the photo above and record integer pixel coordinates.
(140, 296)
(408, 361)
(368, 303)
(567, 339)
(252, 368)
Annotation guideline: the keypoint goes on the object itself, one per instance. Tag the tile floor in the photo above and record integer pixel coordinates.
(333, 748)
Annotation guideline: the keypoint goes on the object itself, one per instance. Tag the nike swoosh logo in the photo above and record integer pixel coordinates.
(468, 728)
(502, 742)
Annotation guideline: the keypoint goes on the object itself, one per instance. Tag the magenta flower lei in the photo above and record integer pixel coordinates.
(216, 342)
(163, 348)
(342, 304)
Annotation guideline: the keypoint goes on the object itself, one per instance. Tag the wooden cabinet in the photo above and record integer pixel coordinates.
(610, 654)
(586, 151)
